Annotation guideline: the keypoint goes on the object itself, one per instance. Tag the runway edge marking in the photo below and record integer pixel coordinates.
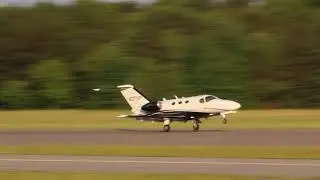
(158, 162)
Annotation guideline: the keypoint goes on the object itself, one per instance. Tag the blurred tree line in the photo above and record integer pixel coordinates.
(262, 55)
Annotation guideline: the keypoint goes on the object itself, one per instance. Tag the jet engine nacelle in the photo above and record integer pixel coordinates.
(152, 106)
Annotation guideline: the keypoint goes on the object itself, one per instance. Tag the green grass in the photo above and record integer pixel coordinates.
(125, 176)
(169, 151)
(96, 119)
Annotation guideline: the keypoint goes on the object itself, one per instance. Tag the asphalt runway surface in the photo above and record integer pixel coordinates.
(264, 167)
(241, 137)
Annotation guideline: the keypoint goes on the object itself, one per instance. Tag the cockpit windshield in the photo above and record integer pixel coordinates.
(209, 98)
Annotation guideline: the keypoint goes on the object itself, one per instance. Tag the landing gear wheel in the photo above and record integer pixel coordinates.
(195, 126)
(224, 121)
(166, 128)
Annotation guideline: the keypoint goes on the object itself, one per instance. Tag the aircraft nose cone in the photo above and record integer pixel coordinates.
(231, 105)
(237, 105)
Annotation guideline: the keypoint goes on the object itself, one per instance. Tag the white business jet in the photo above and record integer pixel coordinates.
(178, 109)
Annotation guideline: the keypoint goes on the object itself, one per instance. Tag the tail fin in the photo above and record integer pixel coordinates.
(133, 97)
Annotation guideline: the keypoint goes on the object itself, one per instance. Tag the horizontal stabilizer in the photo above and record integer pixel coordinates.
(125, 86)
(96, 89)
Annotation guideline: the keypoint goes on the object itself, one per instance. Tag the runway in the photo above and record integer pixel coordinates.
(267, 167)
(226, 137)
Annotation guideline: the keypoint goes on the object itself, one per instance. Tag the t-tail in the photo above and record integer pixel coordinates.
(133, 97)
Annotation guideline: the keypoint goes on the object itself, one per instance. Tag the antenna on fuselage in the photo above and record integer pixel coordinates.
(202, 90)
(175, 97)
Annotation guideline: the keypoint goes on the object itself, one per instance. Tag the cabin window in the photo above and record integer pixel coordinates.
(201, 100)
(209, 98)
(187, 101)
(173, 103)
(180, 102)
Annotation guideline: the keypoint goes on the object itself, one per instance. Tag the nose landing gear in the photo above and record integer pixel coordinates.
(224, 120)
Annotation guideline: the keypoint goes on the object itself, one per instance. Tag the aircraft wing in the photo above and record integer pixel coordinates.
(175, 115)
(228, 112)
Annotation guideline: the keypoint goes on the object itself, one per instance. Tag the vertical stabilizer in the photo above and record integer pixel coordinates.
(133, 97)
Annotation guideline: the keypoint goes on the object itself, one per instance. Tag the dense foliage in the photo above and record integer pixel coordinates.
(262, 55)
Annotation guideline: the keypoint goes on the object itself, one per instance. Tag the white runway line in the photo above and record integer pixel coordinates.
(157, 162)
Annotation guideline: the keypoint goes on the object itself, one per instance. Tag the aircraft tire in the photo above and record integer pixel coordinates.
(166, 128)
(196, 126)
(224, 121)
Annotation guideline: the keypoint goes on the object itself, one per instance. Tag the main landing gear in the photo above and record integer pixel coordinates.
(166, 125)
(166, 128)
(196, 124)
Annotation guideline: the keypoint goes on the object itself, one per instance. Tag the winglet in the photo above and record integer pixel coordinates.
(123, 116)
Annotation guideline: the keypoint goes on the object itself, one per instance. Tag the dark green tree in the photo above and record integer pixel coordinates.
(50, 82)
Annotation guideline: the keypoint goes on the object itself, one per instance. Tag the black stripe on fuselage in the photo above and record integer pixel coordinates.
(141, 94)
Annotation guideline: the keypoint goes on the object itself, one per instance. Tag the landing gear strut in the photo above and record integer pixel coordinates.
(166, 125)
(224, 120)
(196, 125)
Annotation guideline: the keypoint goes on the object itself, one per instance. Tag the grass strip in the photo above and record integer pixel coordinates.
(99, 119)
(12, 175)
(282, 152)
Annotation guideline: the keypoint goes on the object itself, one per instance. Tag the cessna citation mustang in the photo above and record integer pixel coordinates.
(179, 109)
